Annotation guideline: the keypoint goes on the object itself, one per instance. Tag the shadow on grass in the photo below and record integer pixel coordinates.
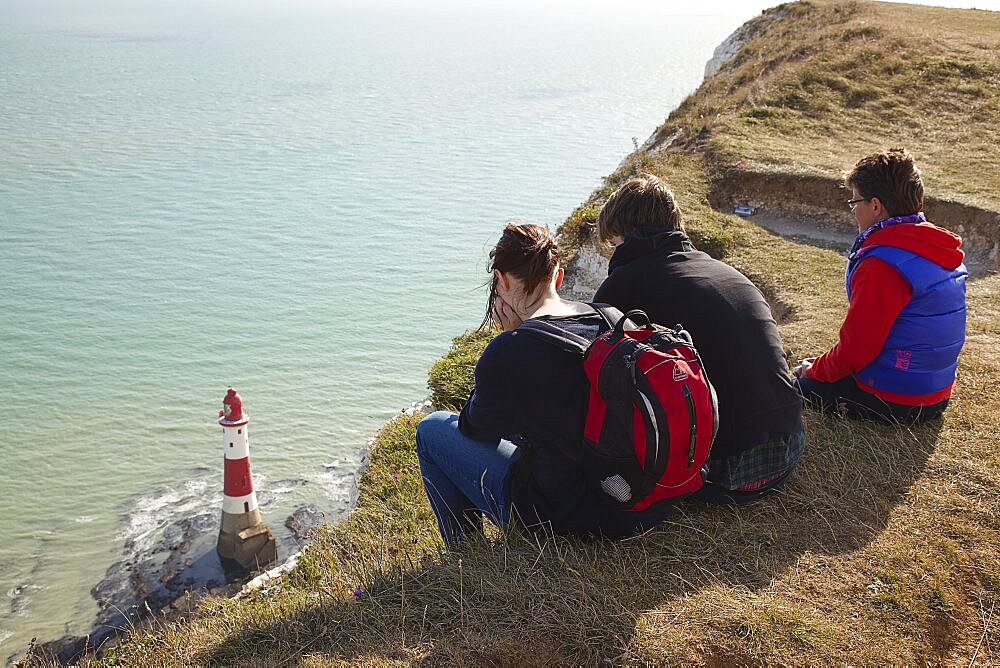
(523, 599)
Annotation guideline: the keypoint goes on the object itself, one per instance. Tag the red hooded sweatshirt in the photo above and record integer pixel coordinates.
(878, 294)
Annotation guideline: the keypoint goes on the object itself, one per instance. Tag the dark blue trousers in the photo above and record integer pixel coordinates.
(845, 396)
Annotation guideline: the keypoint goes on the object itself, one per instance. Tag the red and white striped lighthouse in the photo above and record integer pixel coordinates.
(243, 536)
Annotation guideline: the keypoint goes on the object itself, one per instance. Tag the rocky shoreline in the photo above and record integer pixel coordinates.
(166, 581)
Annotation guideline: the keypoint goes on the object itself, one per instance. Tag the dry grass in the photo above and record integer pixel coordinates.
(918, 76)
(883, 549)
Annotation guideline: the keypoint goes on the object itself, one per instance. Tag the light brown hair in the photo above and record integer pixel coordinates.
(892, 177)
(643, 201)
(526, 251)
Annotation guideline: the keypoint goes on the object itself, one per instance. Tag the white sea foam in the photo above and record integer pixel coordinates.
(337, 485)
(282, 490)
(197, 487)
(20, 598)
(149, 515)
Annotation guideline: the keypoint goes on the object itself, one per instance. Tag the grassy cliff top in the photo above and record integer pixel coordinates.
(819, 84)
(883, 547)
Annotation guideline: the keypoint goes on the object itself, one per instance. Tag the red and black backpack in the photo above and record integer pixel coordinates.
(651, 414)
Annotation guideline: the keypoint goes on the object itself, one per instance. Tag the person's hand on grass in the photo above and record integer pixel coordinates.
(800, 370)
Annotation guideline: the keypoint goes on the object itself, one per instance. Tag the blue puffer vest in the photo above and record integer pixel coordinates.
(920, 354)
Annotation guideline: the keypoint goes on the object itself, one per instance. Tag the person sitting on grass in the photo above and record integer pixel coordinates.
(905, 325)
(656, 268)
(510, 454)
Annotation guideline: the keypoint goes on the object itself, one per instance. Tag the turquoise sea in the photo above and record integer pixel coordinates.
(295, 200)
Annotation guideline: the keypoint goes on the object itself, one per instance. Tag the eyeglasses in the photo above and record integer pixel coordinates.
(851, 203)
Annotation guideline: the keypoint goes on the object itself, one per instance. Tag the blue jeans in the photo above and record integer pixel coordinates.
(464, 479)
(845, 395)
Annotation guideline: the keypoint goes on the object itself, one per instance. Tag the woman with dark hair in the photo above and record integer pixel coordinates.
(510, 455)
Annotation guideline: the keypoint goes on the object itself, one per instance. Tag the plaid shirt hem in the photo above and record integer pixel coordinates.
(759, 463)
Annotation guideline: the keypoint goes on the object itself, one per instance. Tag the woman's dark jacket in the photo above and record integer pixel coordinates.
(534, 394)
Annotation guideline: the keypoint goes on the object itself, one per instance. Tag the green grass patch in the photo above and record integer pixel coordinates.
(451, 378)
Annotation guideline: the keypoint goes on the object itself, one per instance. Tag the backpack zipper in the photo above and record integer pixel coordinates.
(656, 427)
(689, 399)
(669, 359)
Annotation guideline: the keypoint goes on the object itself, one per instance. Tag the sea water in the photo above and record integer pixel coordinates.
(296, 201)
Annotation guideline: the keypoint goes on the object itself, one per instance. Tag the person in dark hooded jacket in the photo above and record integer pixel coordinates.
(897, 353)
(656, 268)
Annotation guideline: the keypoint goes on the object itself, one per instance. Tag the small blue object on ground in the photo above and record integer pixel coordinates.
(743, 210)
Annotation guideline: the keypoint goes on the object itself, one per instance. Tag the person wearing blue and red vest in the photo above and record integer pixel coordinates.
(905, 325)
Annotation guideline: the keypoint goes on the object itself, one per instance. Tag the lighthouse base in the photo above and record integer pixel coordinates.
(245, 539)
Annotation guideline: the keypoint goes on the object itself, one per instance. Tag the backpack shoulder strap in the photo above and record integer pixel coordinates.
(555, 335)
(613, 316)
(610, 314)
